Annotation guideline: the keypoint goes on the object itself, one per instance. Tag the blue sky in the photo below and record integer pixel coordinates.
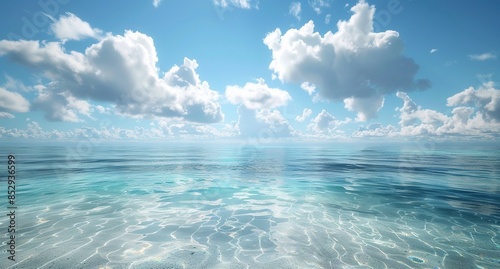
(314, 69)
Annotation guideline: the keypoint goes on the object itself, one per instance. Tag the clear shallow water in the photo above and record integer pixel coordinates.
(266, 206)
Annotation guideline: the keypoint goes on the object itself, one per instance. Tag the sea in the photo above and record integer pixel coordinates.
(251, 204)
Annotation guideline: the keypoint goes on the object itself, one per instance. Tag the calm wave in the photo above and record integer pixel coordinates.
(256, 206)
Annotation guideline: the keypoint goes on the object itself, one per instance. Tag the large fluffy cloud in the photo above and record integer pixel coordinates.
(353, 63)
(121, 70)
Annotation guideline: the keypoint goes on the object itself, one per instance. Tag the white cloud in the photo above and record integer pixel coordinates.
(325, 123)
(317, 5)
(102, 110)
(156, 3)
(477, 120)
(376, 130)
(483, 57)
(295, 9)
(12, 101)
(58, 106)
(481, 118)
(417, 121)
(256, 116)
(305, 114)
(308, 87)
(16, 85)
(327, 18)
(257, 95)
(120, 70)
(354, 62)
(486, 98)
(434, 50)
(164, 130)
(70, 27)
(6, 115)
(367, 107)
(244, 4)
(263, 124)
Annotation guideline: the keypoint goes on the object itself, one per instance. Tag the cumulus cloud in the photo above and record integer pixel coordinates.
(295, 9)
(70, 27)
(474, 114)
(257, 95)
(61, 106)
(256, 114)
(325, 123)
(244, 4)
(480, 116)
(308, 87)
(12, 102)
(483, 57)
(120, 70)
(354, 62)
(305, 114)
(367, 107)
(417, 121)
(486, 99)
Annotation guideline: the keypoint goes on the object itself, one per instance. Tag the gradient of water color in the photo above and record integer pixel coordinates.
(236, 205)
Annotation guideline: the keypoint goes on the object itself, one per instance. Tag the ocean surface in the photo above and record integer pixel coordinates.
(253, 205)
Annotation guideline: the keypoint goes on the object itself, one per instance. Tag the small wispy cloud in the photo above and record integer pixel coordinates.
(156, 3)
(305, 114)
(327, 18)
(483, 57)
(244, 4)
(295, 9)
(317, 5)
(434, 50)
(308, 87)
(70, 27)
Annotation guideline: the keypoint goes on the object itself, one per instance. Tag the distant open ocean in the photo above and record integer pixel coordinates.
(240, 205)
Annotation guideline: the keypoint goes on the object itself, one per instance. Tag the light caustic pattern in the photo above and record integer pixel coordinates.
(268, 207)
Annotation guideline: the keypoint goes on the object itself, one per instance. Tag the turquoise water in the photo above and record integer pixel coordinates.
(238, 205)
